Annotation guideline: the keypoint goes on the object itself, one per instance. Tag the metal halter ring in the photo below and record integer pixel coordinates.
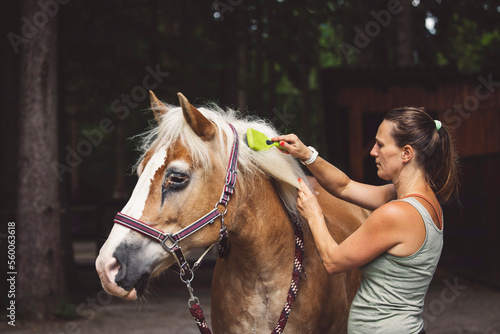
(187, 281)
(217, 208)
(169, 249)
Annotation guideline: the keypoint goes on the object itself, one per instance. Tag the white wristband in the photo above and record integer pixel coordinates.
(313, 157)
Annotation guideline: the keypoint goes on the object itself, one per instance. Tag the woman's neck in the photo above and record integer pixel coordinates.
(411, 180)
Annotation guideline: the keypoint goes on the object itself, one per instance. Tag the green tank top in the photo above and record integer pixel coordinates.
(391, 296)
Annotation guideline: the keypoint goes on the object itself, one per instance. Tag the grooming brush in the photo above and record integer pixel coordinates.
(258, 141)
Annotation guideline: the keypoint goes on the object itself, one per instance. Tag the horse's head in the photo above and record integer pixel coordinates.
(181, 176)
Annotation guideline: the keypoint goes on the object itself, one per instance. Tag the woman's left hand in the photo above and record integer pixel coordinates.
(307, 203)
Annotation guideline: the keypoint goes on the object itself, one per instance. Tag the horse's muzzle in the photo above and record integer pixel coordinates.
(107, 274)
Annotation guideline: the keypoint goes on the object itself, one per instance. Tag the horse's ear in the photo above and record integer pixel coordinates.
(199, 123)
(157, 106)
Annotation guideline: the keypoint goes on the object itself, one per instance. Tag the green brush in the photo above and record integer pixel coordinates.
(258, 141)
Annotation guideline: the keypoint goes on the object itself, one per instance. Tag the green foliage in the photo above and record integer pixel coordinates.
(330, 55)
(66, 310)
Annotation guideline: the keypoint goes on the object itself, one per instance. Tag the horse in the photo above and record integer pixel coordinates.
(183, 167)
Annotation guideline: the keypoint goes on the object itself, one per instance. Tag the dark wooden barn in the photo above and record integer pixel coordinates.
(355, 102)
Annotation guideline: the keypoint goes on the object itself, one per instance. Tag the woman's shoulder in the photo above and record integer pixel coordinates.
(394, 213)
(393, 209)
(402, 224)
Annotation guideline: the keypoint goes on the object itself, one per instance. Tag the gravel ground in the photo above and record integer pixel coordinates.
(454, 305)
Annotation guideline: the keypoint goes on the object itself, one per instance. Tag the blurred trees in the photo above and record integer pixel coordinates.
(255, 55)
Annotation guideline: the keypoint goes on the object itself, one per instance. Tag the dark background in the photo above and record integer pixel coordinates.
(306, 66)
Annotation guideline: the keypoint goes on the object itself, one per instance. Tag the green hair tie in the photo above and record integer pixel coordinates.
(438, 124)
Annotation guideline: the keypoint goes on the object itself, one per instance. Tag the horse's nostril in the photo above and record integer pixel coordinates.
(115, 265)
(112, 268)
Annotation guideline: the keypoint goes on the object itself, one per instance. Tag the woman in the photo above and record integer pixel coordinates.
(398, 247)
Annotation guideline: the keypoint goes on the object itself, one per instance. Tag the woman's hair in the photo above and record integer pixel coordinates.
(435, 150)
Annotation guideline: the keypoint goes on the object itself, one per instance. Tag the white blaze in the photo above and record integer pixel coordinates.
(134, 207)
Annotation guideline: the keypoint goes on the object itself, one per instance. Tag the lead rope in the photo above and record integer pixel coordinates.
(199, 318)
(197, 311)
(297, 272)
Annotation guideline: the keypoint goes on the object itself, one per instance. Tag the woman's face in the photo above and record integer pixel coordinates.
(388, 156)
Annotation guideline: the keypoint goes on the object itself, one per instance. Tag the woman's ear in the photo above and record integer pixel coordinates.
(407, 153)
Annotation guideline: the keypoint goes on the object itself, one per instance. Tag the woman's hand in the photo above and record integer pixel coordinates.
(294, 146)
(307, 203)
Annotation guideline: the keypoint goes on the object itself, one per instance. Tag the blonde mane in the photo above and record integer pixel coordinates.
(281, 168)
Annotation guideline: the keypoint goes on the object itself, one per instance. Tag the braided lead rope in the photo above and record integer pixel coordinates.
(297, 271)
(199, 318)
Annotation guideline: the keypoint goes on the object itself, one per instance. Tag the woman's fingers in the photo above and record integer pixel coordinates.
(292, 144)
(306, 202)
(303, 187)
(289, 138)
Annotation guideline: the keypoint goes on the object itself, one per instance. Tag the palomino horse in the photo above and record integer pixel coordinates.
(181, 175)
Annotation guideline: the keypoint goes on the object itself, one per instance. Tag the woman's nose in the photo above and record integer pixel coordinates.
(374, 151)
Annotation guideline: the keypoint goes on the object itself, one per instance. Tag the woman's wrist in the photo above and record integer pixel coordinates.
(304, 154)
(316, 218)
(312, 157)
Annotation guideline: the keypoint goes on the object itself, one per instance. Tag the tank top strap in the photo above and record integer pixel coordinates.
(438, 213)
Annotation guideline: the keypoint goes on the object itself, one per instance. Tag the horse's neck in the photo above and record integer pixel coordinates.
(251, 283)
(261, 238)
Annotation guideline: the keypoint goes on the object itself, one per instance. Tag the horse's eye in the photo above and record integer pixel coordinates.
(176, 180)
(173, 181)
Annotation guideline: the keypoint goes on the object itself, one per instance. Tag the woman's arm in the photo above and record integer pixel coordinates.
(337, 182)
(378, 234)
(340, 185)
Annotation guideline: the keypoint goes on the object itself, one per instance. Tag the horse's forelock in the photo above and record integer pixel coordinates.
(172, 127)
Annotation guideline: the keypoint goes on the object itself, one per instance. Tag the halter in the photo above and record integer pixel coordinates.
(170, 242)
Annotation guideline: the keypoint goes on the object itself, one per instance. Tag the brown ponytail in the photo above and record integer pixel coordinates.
(435, 150)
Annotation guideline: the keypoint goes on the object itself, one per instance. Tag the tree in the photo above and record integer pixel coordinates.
(40, 279)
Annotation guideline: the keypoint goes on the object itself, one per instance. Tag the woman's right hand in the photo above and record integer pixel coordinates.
(294, 146)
